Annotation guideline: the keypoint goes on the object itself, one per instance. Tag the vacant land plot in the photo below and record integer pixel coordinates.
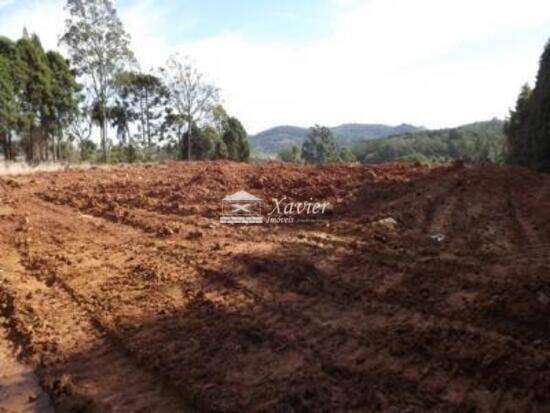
(123, 291)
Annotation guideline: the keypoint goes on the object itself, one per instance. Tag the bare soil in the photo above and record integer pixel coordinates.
(125, 294)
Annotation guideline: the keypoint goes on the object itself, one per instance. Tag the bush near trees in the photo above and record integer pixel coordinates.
(291, 154)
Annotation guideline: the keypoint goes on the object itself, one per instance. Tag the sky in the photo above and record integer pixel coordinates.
(432, 63)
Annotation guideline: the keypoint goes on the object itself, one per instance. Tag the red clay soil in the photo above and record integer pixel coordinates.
(123, 290)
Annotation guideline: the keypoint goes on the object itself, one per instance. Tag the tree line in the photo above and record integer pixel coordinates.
(50, 105)
(528, 126)
(37, 99)
(481, 142)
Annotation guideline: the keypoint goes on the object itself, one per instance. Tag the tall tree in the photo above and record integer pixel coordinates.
(35, 96)
(64, 105)
(320, 146)
(99, 47)
(236, 140)
(191, 96)
(7, 108)
(219, 119)
(143, 97)
(528, 128)
(516, 143)
(10, 85)
(121, 117)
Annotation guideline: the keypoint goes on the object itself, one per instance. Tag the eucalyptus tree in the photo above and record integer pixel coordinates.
(99, 48)
(192, 97)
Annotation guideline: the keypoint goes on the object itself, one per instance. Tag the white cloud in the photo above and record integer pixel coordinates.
(431, 62)
(46, 18)
(386, 61)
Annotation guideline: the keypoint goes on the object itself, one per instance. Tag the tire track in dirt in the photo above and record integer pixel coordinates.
(86, 367)
(93, 370)
(439, 217)
(292, 316)
(59, 219)
(20, 390)
(377, 317)
(526, 230)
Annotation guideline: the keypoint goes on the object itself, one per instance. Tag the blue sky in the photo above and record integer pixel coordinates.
(266, 20)
(427, 62)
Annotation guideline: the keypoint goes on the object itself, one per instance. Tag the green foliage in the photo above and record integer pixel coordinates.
(290, 154)
(202, 142)
(35, 96)
(7, 107)
(517, 150)
(236, 140)
(64, 104)
(120, 117)
(345, 155)
(416, 158)
(38, 99)
(528, 126)
(7, 97)
(321, 147)
(124, 153)
(141, 98)
(88, 149)
(206, 141)
(476, 143)
(220, 150)
(44, 111)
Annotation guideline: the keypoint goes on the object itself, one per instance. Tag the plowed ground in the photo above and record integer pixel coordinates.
(123, 291)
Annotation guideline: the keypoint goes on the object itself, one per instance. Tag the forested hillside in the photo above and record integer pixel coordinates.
(276, 139)
(476, 142)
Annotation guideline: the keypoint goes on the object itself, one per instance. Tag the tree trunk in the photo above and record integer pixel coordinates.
(147, 124)
(104, 140)
(9, 146)
(103, 119)
(4, 140)
(30, 154)
(189, 131)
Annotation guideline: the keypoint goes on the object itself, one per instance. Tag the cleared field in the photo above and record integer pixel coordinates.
(125, 293)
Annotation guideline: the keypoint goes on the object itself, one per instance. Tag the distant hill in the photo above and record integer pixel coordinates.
(273, 140)
(475, 142)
